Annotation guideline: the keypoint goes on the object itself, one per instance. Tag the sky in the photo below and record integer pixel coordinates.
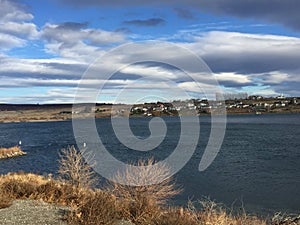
(61, 51)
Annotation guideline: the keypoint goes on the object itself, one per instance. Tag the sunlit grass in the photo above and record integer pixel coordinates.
(11, 152)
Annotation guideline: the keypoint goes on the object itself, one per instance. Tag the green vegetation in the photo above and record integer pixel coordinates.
(140, 205)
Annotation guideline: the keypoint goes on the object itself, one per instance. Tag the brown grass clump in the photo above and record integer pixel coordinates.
(22, 186)
(19, 185)
(86, 205)
(96, 208)
(213, 213)
(11, 152)
(5, 201)
(24, 177)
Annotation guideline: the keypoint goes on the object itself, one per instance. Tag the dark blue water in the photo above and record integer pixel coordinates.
(257, 166)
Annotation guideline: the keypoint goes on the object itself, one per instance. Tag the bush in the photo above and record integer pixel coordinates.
(74, 170)
(142, 203)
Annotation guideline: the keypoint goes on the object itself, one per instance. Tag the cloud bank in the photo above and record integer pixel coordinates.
(255, 63)
(274, 11)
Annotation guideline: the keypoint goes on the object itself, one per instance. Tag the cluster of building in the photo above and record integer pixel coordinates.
(261, 104)
(243, 104)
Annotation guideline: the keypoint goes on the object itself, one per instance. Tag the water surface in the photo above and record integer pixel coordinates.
(258, 163)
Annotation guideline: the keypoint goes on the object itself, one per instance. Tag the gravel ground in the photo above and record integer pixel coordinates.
(32, 212)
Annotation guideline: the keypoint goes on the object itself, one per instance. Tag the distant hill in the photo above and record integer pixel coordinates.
(16, 107)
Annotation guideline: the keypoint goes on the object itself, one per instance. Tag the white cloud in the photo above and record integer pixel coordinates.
(8, 41)
(14, 67)
(78, 52)
(14, 30)
(25, 30)
(152, 72)
(278, 77)
(12, 11)
(235, 42)
(71, 40)
(233, 77)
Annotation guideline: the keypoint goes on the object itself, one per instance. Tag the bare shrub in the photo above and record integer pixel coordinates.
(159, 192)
(74, 170)
(142, 203)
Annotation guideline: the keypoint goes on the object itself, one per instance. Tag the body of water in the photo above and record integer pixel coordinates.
(257, 167)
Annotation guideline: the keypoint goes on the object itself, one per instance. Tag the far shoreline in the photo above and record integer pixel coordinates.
(37, 120)
(14, 113)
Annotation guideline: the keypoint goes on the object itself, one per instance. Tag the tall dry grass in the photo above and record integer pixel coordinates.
(96, 208)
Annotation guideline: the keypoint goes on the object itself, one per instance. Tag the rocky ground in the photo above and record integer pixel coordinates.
(30, 212)
(33, 212)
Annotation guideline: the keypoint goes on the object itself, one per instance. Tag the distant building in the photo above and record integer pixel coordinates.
(294, 101)
(280, 96)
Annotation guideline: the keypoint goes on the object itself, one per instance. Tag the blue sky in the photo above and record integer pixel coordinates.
(47, 46)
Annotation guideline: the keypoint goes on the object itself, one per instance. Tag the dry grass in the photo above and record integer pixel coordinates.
(11, 152)
(87, 206)
(24, 177)
(213, 213)
(282, 219)
(22, 186)
(142, 205)
(96, 208)
(5, 201)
